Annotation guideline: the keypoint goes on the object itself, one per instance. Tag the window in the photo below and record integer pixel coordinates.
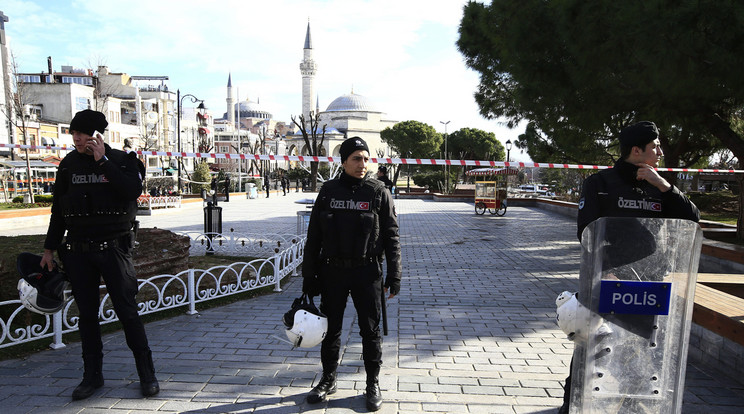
(77, 79)
(30, 78)
(81, 103)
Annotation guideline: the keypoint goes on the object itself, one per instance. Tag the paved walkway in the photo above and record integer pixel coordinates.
(471, 332)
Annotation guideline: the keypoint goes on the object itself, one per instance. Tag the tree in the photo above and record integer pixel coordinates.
(594, 67)
(472, 143)
(412, 139)
(312, 143)
(201, 178)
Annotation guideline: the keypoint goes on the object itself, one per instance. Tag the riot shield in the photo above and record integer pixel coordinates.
(637, 279)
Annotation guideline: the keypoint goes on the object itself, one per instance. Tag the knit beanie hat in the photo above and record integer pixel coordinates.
(350, 145)
(87, 121)
(638, 135)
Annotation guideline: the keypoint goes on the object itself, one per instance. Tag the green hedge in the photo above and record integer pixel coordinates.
(713, 200)
(41, 198)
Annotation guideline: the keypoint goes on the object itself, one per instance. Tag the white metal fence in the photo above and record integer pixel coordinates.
(279, 256)
(145, 204)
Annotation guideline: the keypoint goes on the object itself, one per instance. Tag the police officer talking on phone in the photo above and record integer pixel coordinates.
(353, 223)
(95, 204)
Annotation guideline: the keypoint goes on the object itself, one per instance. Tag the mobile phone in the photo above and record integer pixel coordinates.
(94, 135)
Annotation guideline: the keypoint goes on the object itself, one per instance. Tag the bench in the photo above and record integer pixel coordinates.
(717, 308)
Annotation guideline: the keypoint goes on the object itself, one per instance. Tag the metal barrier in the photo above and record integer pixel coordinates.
(164, 292)
(145, 204)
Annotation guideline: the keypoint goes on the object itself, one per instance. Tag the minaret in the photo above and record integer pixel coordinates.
(308, 68)
(230, 102)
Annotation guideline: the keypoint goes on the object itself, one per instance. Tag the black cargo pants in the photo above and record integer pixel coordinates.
(365, 286)
(85, 267)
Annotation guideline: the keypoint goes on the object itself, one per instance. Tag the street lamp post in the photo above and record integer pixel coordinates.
(446, 172)
(180, 99)
(508, 145)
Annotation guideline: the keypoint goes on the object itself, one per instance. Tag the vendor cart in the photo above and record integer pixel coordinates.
(490, 193)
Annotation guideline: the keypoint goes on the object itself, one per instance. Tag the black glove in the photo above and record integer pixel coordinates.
(393, 285)
(311, 286)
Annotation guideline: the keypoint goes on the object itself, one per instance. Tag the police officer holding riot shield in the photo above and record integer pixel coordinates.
(95, 203)
(352, 224)
(632, 188)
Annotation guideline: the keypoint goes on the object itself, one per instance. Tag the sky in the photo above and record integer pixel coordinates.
(400, 54)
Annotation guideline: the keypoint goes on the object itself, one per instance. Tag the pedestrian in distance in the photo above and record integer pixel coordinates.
(267, 184)
(352, 225)
(285, 184)
(632, 188)
(94, 210)
(382, 176)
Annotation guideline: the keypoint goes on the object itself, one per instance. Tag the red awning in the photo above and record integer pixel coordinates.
(492, 171)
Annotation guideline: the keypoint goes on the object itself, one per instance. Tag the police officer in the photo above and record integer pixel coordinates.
(632, 188)
(352, 224)
(382, 176)
(95, 203)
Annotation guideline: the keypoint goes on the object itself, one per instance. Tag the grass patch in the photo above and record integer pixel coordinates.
(725, 218)
(20, 206)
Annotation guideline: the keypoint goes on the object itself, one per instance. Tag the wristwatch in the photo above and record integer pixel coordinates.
(102, 160)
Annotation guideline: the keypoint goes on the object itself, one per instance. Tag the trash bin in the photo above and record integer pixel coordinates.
(251, 191)
(303, 216)
(303, 219)
(212, 224)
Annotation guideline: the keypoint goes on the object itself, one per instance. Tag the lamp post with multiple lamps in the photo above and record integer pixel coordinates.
(446, 172)
(201, 108)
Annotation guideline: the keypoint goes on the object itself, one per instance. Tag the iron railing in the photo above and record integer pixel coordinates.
(279, 256)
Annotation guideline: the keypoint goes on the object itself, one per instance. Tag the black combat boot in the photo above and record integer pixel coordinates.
(148, 383)
(326, 386)
(374, 395)
(92, 378)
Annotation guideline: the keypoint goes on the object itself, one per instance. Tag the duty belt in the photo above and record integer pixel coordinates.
(93, 246)
(349, 263)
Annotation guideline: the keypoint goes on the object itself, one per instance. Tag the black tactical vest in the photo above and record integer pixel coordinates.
(92, 208)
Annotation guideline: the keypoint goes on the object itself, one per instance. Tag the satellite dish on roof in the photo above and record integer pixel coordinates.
(151, 117)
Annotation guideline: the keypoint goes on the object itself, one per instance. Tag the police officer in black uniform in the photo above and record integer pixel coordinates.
(353, 223)
(632, 188)
(95, 203)
(382, 176)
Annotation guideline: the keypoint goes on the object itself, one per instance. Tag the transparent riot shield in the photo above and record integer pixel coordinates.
(637, 279)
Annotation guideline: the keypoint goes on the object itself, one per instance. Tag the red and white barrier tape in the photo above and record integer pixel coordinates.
(404, 161)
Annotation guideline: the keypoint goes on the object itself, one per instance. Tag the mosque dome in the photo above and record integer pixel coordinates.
(250, 109)
(351, 102)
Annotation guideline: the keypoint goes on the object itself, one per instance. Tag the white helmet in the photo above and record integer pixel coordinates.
(571, 315)
(306, 325)
(40, 290)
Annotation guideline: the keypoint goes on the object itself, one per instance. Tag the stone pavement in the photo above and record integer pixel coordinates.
(471, 332)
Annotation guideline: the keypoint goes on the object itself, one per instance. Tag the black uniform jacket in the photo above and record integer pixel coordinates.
(353, 219)
(94, 201)
(616, 192)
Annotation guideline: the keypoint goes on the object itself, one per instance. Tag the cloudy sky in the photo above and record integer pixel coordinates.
(400, 54)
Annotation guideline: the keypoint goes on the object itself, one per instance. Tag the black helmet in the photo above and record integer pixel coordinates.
(306, 325)
(41, 291)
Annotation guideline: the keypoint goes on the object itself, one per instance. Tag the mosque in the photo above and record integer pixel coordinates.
(346, 116)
